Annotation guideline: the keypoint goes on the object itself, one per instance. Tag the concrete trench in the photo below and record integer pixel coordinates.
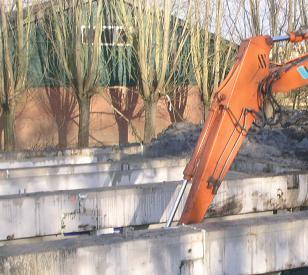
(95, 194)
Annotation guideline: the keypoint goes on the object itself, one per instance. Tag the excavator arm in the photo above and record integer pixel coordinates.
(236, 105)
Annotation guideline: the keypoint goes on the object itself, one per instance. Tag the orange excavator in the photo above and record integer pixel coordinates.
(237, 104)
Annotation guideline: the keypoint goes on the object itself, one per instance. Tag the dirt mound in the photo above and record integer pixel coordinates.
(288, 139)
(177, 139)
(285, 143)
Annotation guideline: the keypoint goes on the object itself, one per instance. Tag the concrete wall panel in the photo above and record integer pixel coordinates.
(218, 246)
(31, 180)
(59, 212)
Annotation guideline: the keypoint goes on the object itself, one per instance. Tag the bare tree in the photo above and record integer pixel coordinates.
(212, 53)
(57, 102)
(159, 37)
(254, 6)
(303, 12)
(74, 30)
(124, 102)
(217, 45)
(273, 12)
(279, 17)
(15, 31)
(177, 88)
(199, 42)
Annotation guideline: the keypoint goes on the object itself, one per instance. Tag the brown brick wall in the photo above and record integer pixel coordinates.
(36, 125)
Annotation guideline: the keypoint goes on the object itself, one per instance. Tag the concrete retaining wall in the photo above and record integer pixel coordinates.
(51, 213)
(247, 246)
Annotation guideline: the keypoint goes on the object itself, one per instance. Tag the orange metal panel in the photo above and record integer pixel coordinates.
(291, 76)
(232, 114)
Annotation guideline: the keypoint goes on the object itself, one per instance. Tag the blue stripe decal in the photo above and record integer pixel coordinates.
(303, 72)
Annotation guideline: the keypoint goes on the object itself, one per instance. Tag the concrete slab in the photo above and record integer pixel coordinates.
(32, 159)
(256, 194)
(46, 162)
(245, 246)
(256, 245)
(70, 177)
(97, 167)
(30, 180)
(51, 213)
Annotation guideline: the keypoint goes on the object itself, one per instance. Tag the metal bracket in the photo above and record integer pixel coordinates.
(213, 183)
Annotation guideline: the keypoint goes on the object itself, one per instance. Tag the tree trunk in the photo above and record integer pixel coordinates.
(1, 129)
(123, 130)
(150, 120)
(124, 101)
(206, 105)
(217, 47)
(84, 121)
(9, 128)
(62, 136)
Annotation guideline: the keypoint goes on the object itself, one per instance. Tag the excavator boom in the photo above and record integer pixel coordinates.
(235, 107)
(291, 75)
